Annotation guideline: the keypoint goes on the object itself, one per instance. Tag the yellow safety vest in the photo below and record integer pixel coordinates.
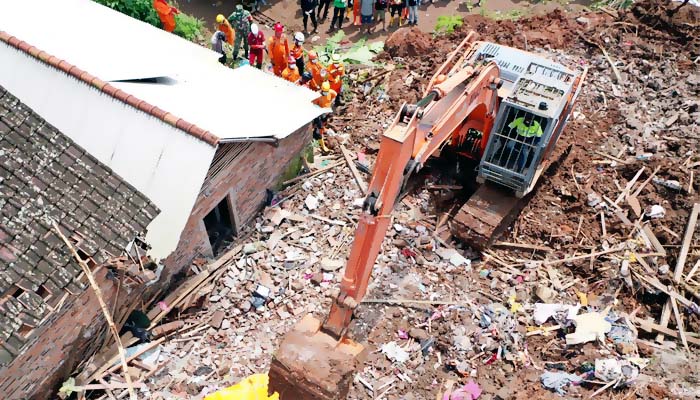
(526, 131)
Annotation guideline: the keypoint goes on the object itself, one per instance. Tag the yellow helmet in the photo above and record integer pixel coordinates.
(220, 19)
(325, 86)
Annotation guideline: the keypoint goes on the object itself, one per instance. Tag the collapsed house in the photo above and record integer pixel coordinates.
(45, 308)
(188, 148)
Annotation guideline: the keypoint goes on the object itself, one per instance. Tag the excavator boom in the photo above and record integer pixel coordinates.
(316, 360)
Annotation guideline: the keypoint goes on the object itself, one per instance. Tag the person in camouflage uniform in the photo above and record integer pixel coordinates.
(240, 20)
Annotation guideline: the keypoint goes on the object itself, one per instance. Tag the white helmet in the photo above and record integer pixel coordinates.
(254, 28)
(299, 37)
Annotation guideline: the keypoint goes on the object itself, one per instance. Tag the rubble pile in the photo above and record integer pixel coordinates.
(581, 297)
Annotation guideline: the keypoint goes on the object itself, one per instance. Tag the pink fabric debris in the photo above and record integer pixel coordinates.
(470, 391)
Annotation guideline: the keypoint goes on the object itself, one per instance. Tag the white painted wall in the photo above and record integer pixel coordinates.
(162, 162)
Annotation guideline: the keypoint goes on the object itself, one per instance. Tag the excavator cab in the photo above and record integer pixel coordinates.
(532, 114)
(515, 149)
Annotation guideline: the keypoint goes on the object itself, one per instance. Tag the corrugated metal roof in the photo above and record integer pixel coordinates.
(114, 47)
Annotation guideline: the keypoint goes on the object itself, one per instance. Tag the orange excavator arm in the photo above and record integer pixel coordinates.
(461, 96)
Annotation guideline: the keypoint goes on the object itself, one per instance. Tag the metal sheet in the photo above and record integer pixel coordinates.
(240, 103)
(229, 103)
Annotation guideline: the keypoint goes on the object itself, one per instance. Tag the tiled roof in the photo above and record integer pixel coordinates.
(109, 89)
(45, 176)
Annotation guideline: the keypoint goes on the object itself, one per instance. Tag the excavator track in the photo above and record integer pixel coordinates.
(491, 209)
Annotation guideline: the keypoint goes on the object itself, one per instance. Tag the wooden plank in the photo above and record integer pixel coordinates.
(582, 257)
(679, 324)
(355, 173)
(312, 174)
(678, 271)
(649, 234)
(182, 291)
(103, 306)
(692, 271)
(687, 238)
(328, 221)
(629, 186)
(651, 326)
(634, 204)
(524, 246)
(646, 182)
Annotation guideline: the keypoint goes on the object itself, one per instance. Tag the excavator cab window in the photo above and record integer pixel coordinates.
(515, 146)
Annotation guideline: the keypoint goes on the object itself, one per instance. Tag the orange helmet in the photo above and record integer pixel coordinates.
(312, 55)
(278, 27)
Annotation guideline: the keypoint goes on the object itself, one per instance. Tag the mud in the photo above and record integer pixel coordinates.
(654, 110)
(408, 42)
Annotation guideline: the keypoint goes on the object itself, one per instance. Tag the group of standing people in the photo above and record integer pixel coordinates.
(370, 12)
(290, 62)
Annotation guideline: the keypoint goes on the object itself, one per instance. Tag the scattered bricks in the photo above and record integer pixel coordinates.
(247, 183)
(217, 319)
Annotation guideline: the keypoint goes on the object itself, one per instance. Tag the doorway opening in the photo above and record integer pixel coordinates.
(220, 227)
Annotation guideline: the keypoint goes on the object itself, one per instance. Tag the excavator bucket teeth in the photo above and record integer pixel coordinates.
(312, 365)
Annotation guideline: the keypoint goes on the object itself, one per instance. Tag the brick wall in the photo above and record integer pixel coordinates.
(256, 167)
(64, 340)
(74, 333)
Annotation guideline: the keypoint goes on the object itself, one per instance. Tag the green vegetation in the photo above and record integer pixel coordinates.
(187, 26)
(448, 23)
(510, 15)
(612, 4)
(359, 53)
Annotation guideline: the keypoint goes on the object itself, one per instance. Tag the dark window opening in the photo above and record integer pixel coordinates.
(219, 226)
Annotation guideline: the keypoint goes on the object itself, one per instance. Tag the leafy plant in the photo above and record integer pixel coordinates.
(619, 4)
(360, 53)
(448, 23)
(186, 26)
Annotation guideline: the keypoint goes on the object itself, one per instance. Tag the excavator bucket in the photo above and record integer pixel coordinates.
(312, 365)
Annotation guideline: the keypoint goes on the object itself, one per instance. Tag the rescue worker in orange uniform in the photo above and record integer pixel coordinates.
(166, 13)
(326, 100)
(298, 51)
(336, 71)
(317, 71)
(306, 79)
(224, 26)
(291, 73)
(278, 50)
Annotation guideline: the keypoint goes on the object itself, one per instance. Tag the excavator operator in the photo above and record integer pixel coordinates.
(529, 133)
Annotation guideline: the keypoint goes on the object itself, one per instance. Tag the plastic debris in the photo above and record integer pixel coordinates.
(514, 305)
(671, 184)
(470, 391)
(394, 352)
(453, 256)
(656, 211)
(558, 380)
(589, 327)
(612, 370)
(311, 202)
(253, 387)
(544, 311)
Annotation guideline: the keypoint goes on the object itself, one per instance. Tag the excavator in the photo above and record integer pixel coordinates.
(499, 106)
